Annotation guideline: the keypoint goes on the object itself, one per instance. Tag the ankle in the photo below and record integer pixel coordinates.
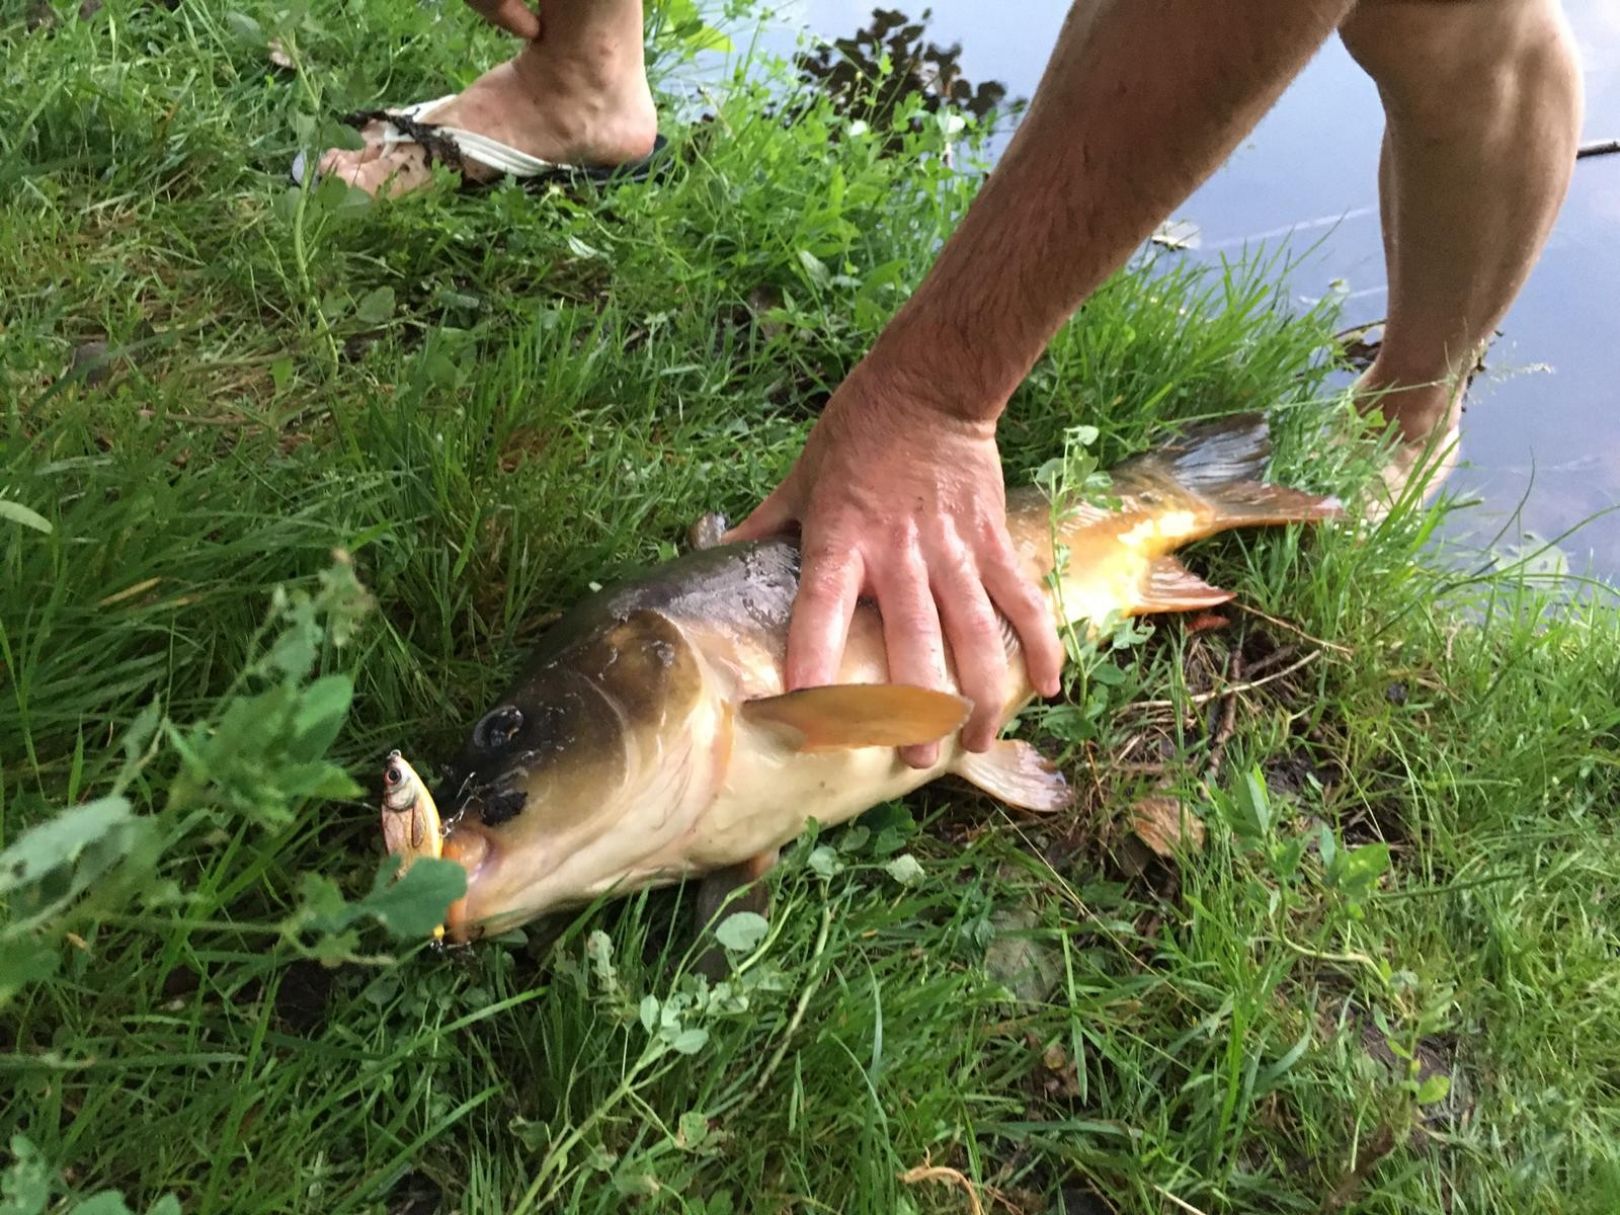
(1420, 406)
(594, 46)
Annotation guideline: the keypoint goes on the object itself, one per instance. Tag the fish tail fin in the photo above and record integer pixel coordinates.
(1206, 481)
(1221, 462)
(1256, 504)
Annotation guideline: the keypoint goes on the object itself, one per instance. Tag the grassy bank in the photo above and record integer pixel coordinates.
(1380, 979)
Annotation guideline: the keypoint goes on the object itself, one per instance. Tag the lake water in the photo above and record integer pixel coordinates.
(1541, 441)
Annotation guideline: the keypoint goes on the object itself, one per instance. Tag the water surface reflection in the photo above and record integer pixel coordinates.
(1542, 437)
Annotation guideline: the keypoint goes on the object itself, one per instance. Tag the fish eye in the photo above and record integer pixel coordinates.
(392, 775)
(498, 728)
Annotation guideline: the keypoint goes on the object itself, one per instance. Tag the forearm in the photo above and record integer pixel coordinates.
(1141, 100)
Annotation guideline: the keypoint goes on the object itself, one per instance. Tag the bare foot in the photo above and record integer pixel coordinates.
(558, 100)
(1427, 462)
(1428, 418)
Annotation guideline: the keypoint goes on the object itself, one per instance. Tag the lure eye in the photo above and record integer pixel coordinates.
(392, 775)
(498, 728)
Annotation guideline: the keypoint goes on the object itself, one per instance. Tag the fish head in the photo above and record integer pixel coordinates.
(400, 784)
(591, 766)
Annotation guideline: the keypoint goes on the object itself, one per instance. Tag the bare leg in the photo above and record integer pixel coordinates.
(577, 93)
(1482, 100)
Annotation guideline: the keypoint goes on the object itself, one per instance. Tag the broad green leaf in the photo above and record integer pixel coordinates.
(245, 28)
(322, 907)
(1107, 674)
(416, 904)
(1251, 807)
(1328, 845)
(25, 1186)
(321, 711)
(61, 840)
(741, 931)
(905, 869)
(317, 780)
(814, 268)
(690, 1041)
(333, 134)
(335, 948)
(108, 1202)
(1362, 867)
(295, 651)
(24, 961)
(892, 824)
(824, 860)
(1435, 1088)
(375, 306)
(18, 513)
(853, 839)
(581, 249)
(140, 732)
(381, 990)
(694, 1128)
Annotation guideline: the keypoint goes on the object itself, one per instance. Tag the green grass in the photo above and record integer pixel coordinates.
(489, 402)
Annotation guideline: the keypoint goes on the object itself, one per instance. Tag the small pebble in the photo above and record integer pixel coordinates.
(90, 360)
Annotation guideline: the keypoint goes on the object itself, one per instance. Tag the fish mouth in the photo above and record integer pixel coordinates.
(471, 848)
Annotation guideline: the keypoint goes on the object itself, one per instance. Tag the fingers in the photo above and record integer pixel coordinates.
(769, 517)
(829, 583)
(1029, 612)
(911, 636)
(975, 634)
(513, 16)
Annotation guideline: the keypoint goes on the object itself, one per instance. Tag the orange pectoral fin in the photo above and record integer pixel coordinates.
(848, 715)
(1172, 587)
(1016, 773)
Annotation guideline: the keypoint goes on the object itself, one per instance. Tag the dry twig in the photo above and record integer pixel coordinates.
(1203, 698)
(1225, 718)
(1292, 628)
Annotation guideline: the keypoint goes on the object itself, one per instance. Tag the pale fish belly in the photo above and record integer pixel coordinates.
(770, 794)
(767, 791)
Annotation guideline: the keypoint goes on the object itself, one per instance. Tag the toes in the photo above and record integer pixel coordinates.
(392, 175)
(338, 162)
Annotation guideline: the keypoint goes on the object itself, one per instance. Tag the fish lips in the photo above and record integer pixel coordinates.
(470, 841)
(469, 846)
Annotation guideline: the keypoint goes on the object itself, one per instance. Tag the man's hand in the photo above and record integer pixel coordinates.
(905, 504)
(513, 16)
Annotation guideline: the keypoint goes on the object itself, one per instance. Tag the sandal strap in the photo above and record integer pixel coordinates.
(452, 146)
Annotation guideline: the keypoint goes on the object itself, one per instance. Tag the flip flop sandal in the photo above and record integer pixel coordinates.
(456, 148)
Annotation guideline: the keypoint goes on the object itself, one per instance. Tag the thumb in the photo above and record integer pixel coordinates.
(768, 518)
(513, 16)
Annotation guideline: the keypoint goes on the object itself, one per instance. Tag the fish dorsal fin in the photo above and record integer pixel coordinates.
(844, 715)
(1172, 587)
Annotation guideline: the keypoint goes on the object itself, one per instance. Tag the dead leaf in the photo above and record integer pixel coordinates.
(1061, 1078)
(939, 1172)
(1178, 234)
(1160, 824)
